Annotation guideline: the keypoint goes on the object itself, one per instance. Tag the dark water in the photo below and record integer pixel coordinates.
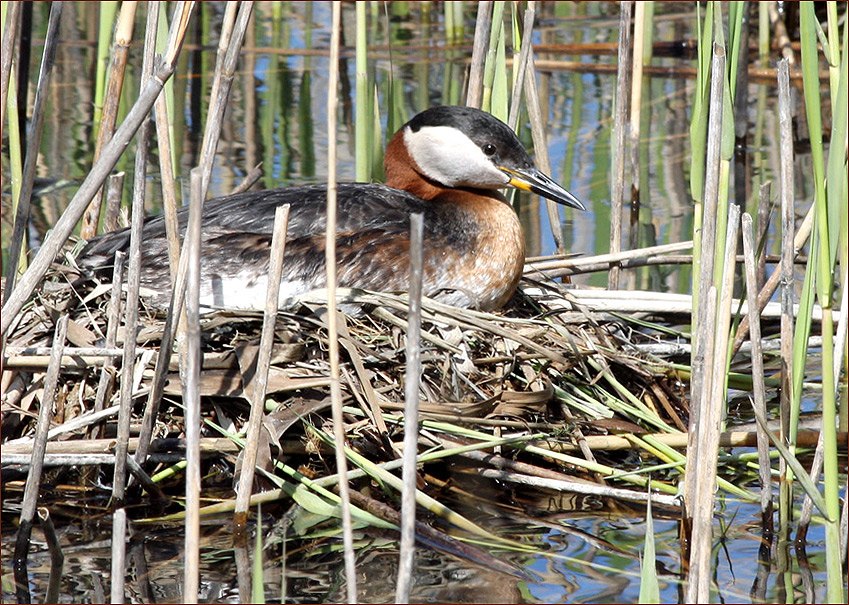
(277, 116)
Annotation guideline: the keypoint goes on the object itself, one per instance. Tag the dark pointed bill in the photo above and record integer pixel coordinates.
(533, 180)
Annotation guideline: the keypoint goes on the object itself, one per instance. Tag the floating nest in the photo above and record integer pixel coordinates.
(553, 381)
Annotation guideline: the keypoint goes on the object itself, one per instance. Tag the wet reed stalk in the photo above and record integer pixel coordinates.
(109, 113)
(759, 400)
(617, 187)
(411, 412)
(95, 178)
(57, 557)
(39, 446)
(190, 367)
(260, 377)
(332, 315)
(119, 551)
(33, 143)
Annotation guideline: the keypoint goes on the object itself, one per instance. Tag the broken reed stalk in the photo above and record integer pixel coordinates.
(36, 128)
(131, 310)
(776, 277)
(111, 101)
(263, 360)
(39, 446)
(57, 558)
(113, 314)
(759, 399)
(761, 231)
(190, 366)
(411, 412)
(332, 315)
(617, 187)
(119, 552)
(114, 195)
(17, 298)
(483, 23)
(546, 264)
(703, 334)
(10, 33)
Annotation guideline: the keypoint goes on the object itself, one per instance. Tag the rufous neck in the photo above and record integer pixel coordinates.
(401, 173)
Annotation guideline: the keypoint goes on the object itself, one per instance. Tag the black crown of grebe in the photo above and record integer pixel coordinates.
(447, 163)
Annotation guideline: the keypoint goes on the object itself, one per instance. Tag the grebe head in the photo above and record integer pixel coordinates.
(463, 147)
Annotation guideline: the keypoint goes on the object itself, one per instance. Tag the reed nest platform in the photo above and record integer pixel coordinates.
(546, 367)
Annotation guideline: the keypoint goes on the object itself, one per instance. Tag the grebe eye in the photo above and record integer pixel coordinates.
(489, 149)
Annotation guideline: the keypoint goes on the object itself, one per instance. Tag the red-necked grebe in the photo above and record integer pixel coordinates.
(447, 163)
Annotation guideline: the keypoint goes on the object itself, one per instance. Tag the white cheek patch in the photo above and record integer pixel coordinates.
(447, 156)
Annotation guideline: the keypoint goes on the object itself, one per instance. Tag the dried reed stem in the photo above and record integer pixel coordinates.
(703, 335)
(260, 377)
(119, 551)
(785, 270)
(710, 427)
(190, 366)
(39, 446)
(411, 413)
(617, 187)
(113, 314)
(114, 193)
(759, 400)
(332, 330)
(483, 24)
(133, 280)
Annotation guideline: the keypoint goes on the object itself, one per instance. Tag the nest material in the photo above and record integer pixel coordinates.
(536, 365)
